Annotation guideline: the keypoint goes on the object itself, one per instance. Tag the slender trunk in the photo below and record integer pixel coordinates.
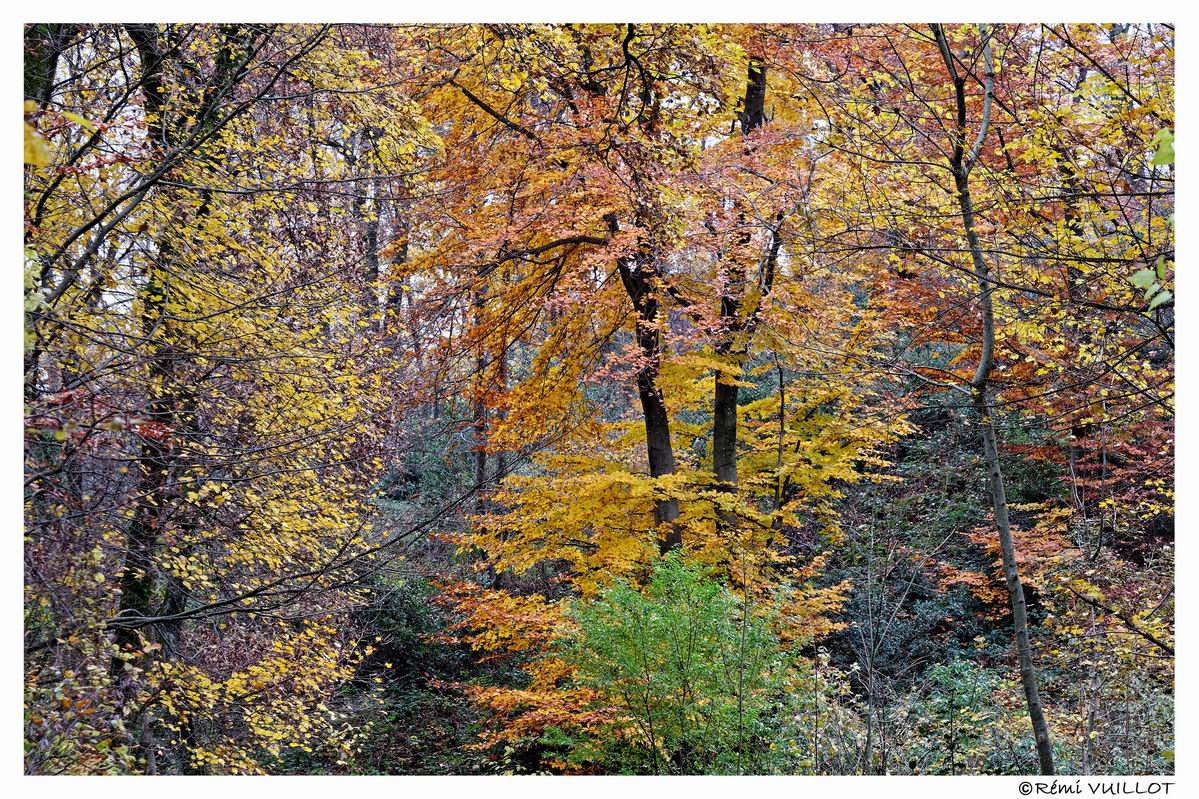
(369, 207)
(43, 46)
(961, 164)
(501, 461)
(480, 425)
(397, 291)
(480, 409)
(182, 740)
(777, 523)
(1028, 673)
(1089, 691)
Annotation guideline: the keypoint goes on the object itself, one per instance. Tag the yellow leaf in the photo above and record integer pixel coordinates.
(37, 151)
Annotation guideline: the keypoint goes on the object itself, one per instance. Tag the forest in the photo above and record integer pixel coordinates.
(598, 399)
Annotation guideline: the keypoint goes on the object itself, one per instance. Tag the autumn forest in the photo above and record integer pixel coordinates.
(598, 399)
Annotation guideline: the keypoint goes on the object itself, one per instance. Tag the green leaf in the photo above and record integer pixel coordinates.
(1164, 140)
(1159, 298)
(1161, 267)
(1143, 279)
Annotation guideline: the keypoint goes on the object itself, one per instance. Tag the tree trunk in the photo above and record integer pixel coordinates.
(961, 164)
(657, 421)
(636, 273)
(157, 458)
(480, 406)
(724, 406)
(154, 458)
(44, 43)
(1028, 674)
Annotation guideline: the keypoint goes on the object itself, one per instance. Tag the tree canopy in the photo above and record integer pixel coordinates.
(601, 398)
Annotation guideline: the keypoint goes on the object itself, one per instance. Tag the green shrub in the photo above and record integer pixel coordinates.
(958, 718)
(690, 670)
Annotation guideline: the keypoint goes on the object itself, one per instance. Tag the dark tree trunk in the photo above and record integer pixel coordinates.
(637, 275)
(753, 112)
(725, 401)
(154, 459)
(140, 581)
(480, 409)
(44, 43)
